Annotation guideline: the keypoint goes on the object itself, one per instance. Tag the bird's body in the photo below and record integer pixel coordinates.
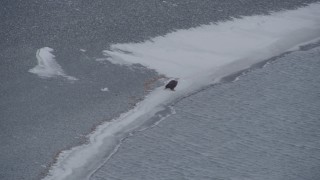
(172, 84)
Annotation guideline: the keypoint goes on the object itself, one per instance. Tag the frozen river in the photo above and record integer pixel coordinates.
(59, 81)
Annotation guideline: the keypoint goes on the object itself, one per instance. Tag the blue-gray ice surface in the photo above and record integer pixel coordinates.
(263, 126)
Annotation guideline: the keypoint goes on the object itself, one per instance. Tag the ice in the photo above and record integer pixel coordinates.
(199, 57)
(81, 161)
(47, 66)
(186, 53)
(264, 126)
(105, 89)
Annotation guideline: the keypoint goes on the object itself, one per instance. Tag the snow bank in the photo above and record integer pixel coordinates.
(47, 66)
(198, 56)
(186, 53)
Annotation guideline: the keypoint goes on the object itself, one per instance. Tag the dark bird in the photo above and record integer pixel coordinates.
(172, 84)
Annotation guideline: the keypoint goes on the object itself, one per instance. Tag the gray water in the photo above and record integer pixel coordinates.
(263, 126)
(41, 117)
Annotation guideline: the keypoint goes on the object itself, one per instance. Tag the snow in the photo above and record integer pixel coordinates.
(105, 89)
(199, 57)
(185, 53)
(47, 66)
(264, 126)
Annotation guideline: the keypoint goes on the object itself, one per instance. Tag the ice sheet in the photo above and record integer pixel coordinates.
(186, 53)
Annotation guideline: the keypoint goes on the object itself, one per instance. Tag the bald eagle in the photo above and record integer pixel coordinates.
(172, 84)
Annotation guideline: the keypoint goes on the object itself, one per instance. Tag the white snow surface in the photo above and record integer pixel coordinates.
(186, 53)
(104, 89)
(47, 66)
(199, 57)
